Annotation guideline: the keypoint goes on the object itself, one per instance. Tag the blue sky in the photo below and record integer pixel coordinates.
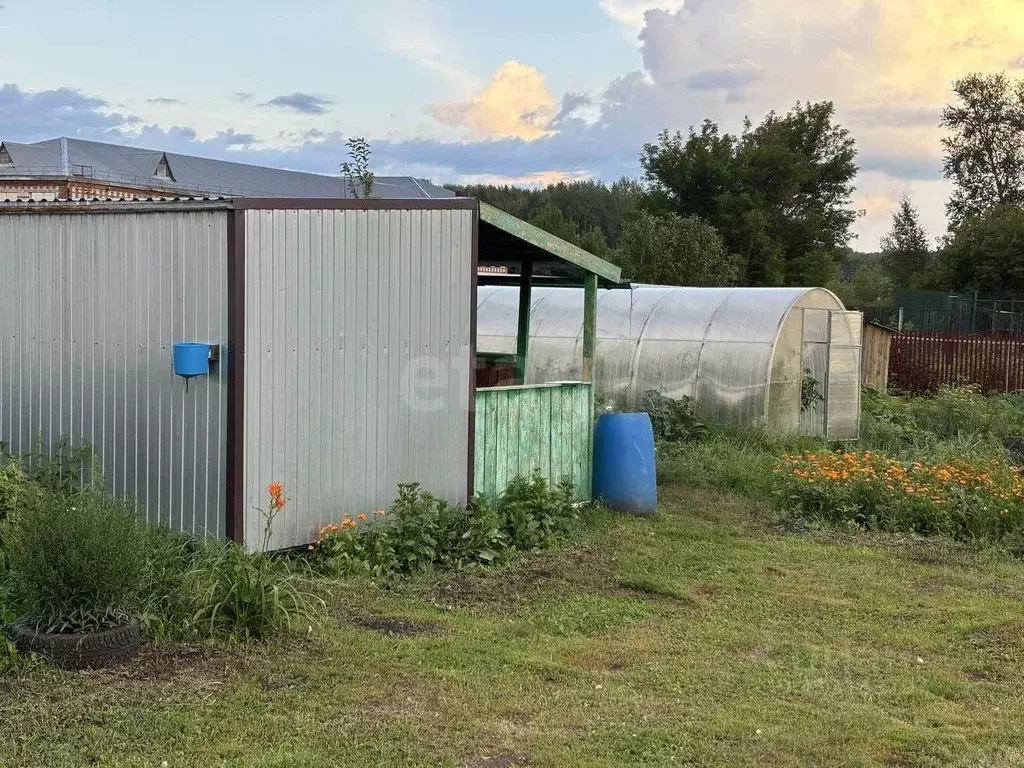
(525, 92)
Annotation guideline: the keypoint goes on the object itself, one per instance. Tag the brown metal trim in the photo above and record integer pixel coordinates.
(235, 453)
(471, 461)
(337, 203)
(112, 206)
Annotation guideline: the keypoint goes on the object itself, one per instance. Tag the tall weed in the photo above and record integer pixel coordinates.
(248, 596)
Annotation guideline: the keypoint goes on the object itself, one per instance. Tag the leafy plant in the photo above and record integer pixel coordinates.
(248, 595)
(76, 561)
(168, 600)
(535, 514)
(810, 391)
(64, 468)
(674, 421)
(357, 168)
(422, 532)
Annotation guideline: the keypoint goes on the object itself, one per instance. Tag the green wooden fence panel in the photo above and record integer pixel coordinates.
(520, 429)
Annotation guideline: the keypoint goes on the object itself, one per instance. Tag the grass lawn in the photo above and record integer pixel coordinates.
(706, 637)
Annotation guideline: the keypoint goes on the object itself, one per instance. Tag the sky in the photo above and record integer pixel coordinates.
(524, 92)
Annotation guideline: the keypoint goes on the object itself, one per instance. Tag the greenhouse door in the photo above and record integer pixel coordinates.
(842, 387)
(814, 370)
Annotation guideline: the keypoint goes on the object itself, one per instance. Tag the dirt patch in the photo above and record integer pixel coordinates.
(1002, 641)
(498, 761)
(196, 668)
(983, 675)
(706, 590)
(549, 575)
(396, 627)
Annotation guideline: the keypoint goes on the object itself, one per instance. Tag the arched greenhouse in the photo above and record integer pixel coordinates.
(787, 358)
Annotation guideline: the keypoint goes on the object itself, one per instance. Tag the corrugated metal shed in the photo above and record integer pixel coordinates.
(357, 339)
(92, 305)
(345, 332)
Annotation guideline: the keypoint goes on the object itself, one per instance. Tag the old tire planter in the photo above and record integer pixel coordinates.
(85, 650)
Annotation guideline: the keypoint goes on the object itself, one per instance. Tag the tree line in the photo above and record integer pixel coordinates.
(772, 205)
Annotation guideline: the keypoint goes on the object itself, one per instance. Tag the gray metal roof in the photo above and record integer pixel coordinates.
(134, 166)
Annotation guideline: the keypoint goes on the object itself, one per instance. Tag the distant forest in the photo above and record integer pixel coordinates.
(772, 206)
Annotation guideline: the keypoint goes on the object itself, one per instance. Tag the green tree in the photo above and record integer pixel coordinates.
(869, 287)
(905, 251)
(985, 253)
(984, 151)
(585, 206)
(551, 219)
(779, 193)
(668, 249)
(593, 240)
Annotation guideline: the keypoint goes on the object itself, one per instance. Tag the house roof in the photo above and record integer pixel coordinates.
(188, 174)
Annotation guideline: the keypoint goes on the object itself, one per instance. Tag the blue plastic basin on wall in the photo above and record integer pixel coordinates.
(624, 472)
(191, 359)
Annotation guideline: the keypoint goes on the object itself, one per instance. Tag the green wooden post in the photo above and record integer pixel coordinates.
(589, 324)
(589, 344)
(523, 338)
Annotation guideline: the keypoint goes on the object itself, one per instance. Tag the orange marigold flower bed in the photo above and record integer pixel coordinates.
(969, 499)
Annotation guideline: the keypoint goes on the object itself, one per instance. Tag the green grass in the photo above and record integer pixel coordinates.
(705, 637)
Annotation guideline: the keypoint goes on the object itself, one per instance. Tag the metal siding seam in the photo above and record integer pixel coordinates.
(384, 302)
(316, 468)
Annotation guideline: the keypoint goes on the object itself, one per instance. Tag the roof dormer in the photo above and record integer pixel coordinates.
(5, 156)
(163, 170)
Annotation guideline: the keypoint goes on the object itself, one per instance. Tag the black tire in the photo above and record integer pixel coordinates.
(86, 650)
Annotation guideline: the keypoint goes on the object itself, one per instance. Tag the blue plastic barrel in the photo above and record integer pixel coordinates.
(191, 359)
(624, 476)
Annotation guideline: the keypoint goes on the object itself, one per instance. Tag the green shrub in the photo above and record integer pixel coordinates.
(77, 562)
(14, 491)
(673, 421)
(423, 532)
(247, 595)
(918, 426)
(534, 513)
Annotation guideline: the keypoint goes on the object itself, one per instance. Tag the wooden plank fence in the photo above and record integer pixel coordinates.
(544, 427)
(922, 361)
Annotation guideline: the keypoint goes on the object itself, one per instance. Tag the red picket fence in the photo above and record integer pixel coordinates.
(922, 361)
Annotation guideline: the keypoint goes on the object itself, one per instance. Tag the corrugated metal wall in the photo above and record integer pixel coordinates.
(92, 305)
(357, 360)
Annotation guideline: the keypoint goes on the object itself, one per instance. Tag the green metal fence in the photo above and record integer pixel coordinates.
(949, 313)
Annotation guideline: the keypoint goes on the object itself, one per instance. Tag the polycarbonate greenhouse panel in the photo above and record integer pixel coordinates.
(357, 369)
(843, 406)
(93, 304)
(737, 351)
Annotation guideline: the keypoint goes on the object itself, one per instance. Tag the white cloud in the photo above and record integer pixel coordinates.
(411, 32)
(630, 13)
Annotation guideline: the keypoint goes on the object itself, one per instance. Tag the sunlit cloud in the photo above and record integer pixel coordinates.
(515, 104)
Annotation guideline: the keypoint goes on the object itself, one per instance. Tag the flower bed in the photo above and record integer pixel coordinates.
(967, 499)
